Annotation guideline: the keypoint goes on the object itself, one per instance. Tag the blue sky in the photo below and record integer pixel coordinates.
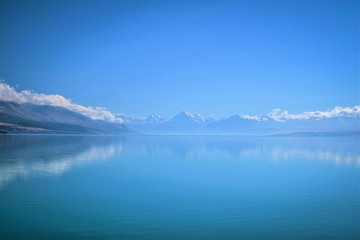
(156, 57)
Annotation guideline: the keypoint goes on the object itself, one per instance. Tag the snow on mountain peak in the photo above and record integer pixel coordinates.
(189, 115)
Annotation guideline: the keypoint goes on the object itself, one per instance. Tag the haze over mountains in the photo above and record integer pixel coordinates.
(29, 112)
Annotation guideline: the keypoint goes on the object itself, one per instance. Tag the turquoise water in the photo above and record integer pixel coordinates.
(97, 187)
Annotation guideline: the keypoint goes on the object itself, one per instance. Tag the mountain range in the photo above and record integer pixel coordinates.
(33, 118)
(188, 123)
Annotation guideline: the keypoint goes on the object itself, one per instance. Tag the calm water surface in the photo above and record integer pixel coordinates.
(97, 187)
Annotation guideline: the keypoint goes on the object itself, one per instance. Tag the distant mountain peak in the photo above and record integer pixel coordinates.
(183, 115)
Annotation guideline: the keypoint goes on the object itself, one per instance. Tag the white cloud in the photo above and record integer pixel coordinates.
(8, 93)
(281, 116)
(249, 117)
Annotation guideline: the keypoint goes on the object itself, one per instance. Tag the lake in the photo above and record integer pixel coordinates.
(179, 187)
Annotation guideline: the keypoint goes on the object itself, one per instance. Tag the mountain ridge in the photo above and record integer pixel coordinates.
(33, 118)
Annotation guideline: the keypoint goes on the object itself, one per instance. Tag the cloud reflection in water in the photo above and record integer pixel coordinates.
(26, 156)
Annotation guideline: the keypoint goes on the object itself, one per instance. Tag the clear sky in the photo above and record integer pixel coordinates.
(156, 57)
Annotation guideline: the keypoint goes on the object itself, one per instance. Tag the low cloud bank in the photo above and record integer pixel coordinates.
(8, 93)
(282, 116)
(250, 117)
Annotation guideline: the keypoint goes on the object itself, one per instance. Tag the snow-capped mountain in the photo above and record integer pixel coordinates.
(184, 122)
(187, 116)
